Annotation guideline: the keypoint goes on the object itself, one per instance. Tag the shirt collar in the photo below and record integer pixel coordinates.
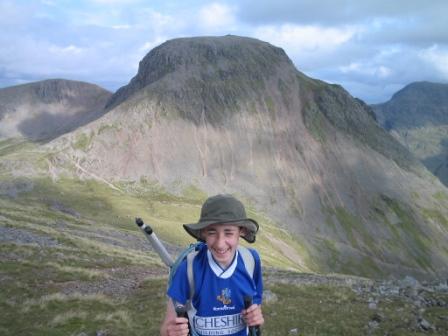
(217, 269)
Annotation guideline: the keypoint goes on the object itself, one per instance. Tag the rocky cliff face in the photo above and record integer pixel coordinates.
(233, 114)
(417, 116)
(44, 110)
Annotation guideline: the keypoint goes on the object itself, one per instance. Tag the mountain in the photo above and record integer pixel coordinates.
(44, 110)
(233, 114)
(417, 116)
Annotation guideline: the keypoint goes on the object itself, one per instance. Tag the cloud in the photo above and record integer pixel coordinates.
(69, 50)
(378, 71)
(122, 26)
(399, 21)
(297, 38)
(115, 2)
(370, 47)
(147, 46)
(216, 16)
(310, 47)
(330, 12)
(437, 57)
(14, 15)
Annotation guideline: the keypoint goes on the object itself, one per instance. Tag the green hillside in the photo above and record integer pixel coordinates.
(73, 263)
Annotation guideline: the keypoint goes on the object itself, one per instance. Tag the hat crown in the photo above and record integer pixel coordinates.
(222, 208)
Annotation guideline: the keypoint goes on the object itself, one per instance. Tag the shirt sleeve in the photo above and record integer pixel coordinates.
(179, 289)
(258, 278)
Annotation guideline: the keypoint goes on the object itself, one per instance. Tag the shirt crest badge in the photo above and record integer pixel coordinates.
(225, 296)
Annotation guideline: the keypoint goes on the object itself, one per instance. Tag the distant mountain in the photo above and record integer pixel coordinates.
(232, 114)
(44, 110)
(418, 117)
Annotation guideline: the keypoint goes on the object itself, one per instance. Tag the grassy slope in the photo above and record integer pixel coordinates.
(69, 237)
(78, 264)
(430, 145)
(80, 230)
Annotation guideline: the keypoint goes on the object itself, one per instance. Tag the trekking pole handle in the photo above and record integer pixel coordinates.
(181, 311)
(155, 242)
(253, 330)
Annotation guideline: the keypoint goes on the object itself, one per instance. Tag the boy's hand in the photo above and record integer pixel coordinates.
(177, 327)
(253, 315)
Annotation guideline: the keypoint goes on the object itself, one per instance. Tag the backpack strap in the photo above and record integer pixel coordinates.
(190, 275)
(248, 258)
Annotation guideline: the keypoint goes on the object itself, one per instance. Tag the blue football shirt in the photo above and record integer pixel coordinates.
(219, 294)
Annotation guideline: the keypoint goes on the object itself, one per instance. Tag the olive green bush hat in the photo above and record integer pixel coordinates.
(223, 209)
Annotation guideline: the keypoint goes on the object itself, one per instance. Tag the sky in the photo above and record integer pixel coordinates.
(373, 48)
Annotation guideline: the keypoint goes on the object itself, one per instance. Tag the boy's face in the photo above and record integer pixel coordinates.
(222, 241)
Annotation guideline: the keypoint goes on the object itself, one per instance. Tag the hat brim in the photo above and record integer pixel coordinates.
(250, 225)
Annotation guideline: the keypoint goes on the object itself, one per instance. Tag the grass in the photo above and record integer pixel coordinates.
(74, 233)
(315, 122)
(406, 232)
(82, 141)
(441, 196)
(332, 310)
(88, 205)
(310, 309)
(436, 216)
(83, 230)
(138, 314)
(319, 311)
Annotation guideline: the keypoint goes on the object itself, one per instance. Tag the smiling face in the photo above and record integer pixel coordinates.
(222, 241)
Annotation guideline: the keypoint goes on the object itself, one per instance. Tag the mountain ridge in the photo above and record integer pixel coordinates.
(337, 193)
(44, 110)
(417, 116)
(306, 152)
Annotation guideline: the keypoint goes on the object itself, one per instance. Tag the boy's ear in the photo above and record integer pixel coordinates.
(243, 231)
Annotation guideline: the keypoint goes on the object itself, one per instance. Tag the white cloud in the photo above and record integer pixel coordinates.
(147, 46)
(66, 51)
(366, 46)
(122, 26)
(158, 21)
(216, 16)
(115, 2)
(378, 71)
(383, 71)
(297, 39)
(437, 57)
(49, 2)
(14, 14)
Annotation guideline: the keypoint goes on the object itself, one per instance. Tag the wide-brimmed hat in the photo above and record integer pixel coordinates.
(223, 209)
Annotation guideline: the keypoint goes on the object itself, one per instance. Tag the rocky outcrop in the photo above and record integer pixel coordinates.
(45, 110)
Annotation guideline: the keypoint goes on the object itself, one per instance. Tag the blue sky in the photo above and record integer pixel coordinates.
(372, 48)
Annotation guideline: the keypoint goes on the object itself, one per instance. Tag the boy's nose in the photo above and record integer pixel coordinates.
(221, 240)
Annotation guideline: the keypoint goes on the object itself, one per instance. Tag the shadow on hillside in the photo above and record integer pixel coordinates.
(46, 126)
(438, 164)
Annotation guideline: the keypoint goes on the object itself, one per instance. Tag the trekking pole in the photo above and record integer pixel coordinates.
(155, 242)
(181, 311)
(253, 330)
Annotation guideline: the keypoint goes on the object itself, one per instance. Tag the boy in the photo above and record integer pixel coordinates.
(221, 277)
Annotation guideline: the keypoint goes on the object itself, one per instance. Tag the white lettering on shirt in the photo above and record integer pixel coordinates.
(219, 325)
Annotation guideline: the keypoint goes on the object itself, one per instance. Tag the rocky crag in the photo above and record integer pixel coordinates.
(417, 116)
(233, 114)
(45, 110)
